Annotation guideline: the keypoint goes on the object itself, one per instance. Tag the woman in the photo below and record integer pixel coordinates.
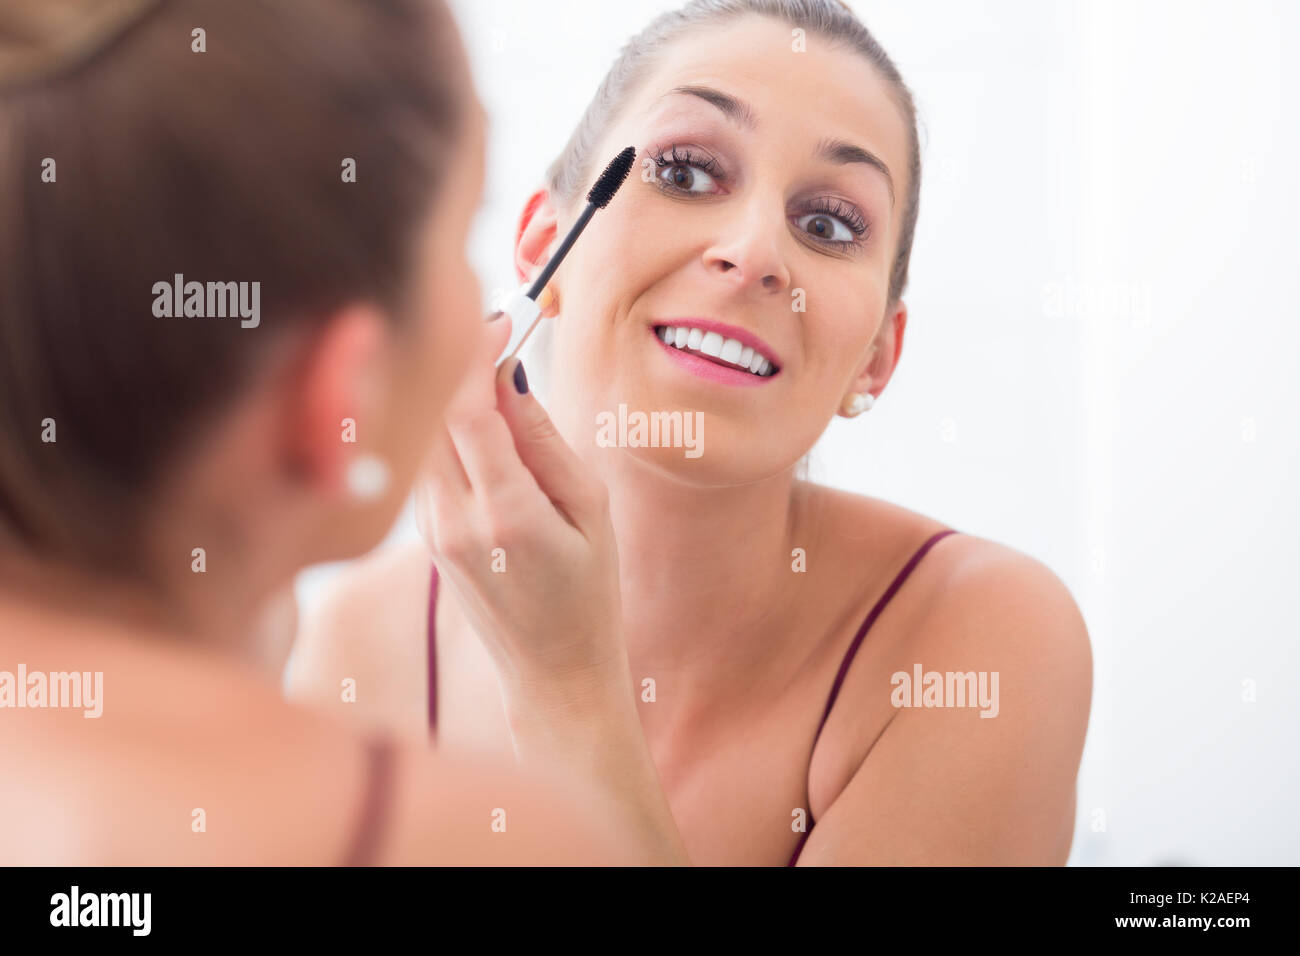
(737, 649)
(167, 466)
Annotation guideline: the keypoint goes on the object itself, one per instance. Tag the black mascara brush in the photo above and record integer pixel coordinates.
(522, 306)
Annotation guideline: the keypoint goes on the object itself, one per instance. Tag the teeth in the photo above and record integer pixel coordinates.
(714, 345)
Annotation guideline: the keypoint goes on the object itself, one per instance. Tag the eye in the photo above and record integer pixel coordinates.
(824, 226)
(834, 223)
(682, 171)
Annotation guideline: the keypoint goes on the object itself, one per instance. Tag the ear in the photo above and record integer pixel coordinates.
(336, 400)
(537, 232)
(879, 365)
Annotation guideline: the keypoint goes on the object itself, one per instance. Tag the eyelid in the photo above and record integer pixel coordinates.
(667, 154)
(682, 154)
(849, 213)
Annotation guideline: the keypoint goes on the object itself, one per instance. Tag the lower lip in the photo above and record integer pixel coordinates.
(722, 374)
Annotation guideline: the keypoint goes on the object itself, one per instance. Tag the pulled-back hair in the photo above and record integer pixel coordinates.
(223, 165)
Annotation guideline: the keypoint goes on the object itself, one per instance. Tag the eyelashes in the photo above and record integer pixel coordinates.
(683, 163)
(828, 222)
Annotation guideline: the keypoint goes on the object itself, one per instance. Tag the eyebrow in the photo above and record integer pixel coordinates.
(838, 151)
(832, 150)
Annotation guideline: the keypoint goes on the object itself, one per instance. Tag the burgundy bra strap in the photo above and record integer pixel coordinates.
(803, 838)
(380, 752)
(871, 619)
(433, 651)
(853, 650)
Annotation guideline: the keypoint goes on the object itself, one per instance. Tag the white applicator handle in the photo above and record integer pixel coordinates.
(523, 312)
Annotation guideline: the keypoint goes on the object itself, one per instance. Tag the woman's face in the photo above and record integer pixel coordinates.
(767, 196)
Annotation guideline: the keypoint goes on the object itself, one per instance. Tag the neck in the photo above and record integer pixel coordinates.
(699, 568)
(42, 600)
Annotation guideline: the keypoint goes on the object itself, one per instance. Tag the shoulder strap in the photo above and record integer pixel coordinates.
(885, 598)
(433, 651)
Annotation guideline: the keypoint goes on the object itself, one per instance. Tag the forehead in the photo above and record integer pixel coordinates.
(799, 94)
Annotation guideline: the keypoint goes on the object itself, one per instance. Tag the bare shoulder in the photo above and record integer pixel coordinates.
(370, 584)
(970, 593)
(272, 784)
(993, 600)
(368, 629)
(980, 630)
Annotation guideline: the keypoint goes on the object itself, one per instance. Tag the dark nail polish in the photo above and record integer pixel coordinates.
(521, 380)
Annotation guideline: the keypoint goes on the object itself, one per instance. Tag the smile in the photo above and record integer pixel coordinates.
(705, 350)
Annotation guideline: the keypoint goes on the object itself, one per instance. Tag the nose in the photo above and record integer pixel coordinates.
(749, 255)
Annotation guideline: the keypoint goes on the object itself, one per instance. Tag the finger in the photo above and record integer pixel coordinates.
(475, 392)
(559, 472)
(487, 451)
(442, 465)
(442, 494)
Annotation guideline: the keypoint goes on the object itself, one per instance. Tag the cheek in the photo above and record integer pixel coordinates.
(610, 267)
(842, 318)
(618, 251)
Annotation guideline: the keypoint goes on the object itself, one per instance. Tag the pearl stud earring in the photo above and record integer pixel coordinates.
(855, 403)
(367, 477)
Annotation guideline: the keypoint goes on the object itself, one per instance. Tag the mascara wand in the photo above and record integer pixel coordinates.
(522, 306)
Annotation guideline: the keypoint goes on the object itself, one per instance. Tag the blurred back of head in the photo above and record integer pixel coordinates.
(145, 139)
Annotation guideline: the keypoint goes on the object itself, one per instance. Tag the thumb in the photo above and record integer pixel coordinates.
(559, 472)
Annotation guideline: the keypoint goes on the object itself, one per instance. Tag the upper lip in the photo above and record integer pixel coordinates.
(743, 336)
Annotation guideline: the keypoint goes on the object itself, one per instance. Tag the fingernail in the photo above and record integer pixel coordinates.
(521, 380)
(494, 316)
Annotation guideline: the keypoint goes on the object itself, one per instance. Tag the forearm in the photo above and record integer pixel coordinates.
(587, 728)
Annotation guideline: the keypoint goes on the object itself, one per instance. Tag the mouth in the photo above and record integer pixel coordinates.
(726, 347)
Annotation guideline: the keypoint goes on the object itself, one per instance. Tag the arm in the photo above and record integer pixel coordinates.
(945, 786)
(369, 628)
(503, 486)
(588, 730)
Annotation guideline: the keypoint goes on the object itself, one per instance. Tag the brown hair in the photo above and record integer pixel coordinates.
(222, 166)
(831, 19)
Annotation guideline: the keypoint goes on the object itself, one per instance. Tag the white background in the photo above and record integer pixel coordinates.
(1100, 361)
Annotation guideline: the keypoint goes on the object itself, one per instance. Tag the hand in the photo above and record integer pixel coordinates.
(501, 476)
(520, 529)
